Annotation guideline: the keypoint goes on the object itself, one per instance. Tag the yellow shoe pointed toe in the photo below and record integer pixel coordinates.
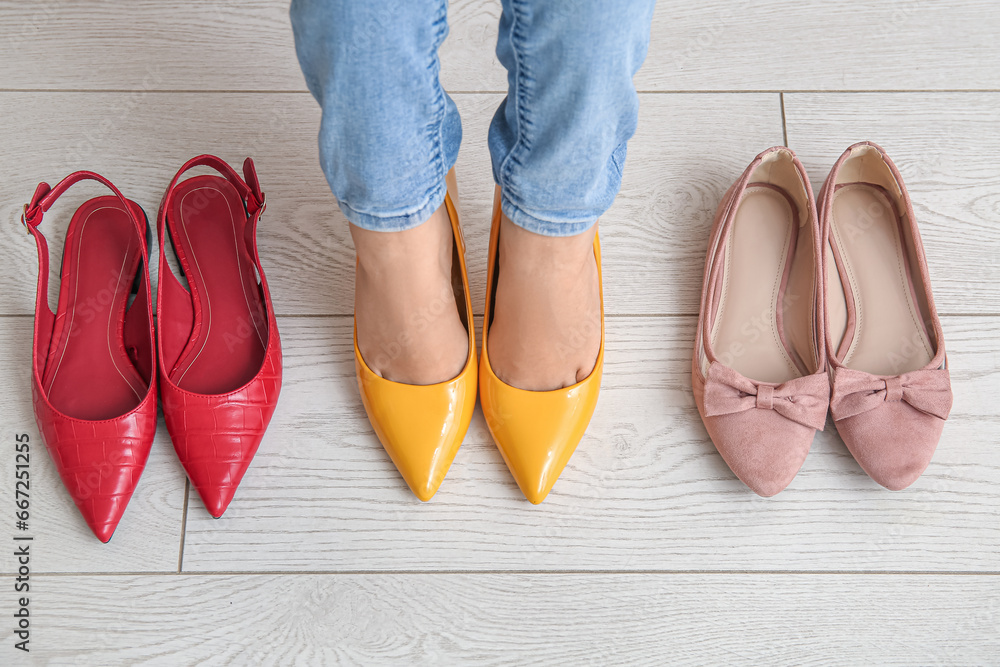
(421, 427)
(535, 431)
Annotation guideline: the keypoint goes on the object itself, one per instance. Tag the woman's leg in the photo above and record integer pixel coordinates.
(558, 146)
(388, 137)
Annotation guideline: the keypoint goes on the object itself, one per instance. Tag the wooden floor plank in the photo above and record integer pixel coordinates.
(688, 150)
(525, 619)
(946, 148)
(685, 155)
(148, 537)
(645, 490)
(648, 550)
(715, 45)
(853, 45)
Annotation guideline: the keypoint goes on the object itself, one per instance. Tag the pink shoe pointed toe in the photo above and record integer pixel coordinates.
(891, 386)
(759, 366)
(764, 446)
(892, 440)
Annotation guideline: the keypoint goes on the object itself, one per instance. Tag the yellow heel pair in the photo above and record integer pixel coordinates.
(422, 427)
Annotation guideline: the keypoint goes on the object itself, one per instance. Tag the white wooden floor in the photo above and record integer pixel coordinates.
(648, 550)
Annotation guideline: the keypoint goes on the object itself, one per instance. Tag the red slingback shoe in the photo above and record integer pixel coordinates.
(220, 357)
(92, 381)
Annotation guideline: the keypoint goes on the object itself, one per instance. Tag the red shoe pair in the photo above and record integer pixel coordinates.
(93, 385)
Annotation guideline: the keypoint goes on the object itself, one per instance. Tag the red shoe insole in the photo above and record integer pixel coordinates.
(208, 224)
(88, 373)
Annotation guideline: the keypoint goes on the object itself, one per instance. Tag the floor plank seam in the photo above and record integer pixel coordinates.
(184, 516)
(784, 120)
(647, 572)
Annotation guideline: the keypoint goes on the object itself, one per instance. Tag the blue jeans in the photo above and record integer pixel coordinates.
(390, 132)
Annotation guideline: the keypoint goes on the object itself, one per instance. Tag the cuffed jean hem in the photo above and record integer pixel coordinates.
(397, 222)
(525, 220)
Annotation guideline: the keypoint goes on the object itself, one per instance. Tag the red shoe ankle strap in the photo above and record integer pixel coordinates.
(45, 196)
(42, 201)
(249, 189)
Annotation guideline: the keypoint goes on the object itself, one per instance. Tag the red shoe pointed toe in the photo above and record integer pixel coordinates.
(93, 386)
(220, 355)
(216, 467)
(99, 462)
(214, 451)
(216, 437)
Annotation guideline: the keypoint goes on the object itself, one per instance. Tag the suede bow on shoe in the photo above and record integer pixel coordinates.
(763, 394)
(854, 392)
(891, 421)
(803, 400)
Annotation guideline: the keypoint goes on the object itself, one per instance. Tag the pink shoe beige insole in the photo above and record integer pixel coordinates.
(889, 336)
(88, 372)
(745, 334)
(208, 225)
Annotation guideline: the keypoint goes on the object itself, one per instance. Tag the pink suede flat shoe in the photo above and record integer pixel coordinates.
(759, 367)
(891, 388)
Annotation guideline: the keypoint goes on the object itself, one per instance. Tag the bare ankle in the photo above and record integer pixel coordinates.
(546, 328)
(408, 326)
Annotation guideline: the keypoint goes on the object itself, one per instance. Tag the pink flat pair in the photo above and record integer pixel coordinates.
(804, 311)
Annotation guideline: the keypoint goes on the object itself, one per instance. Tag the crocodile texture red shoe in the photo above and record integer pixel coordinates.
(220, 357)
(891, 387)
(93, 385)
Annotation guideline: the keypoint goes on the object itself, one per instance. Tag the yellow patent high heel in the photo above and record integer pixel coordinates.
(536, 431)
(422, 426)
